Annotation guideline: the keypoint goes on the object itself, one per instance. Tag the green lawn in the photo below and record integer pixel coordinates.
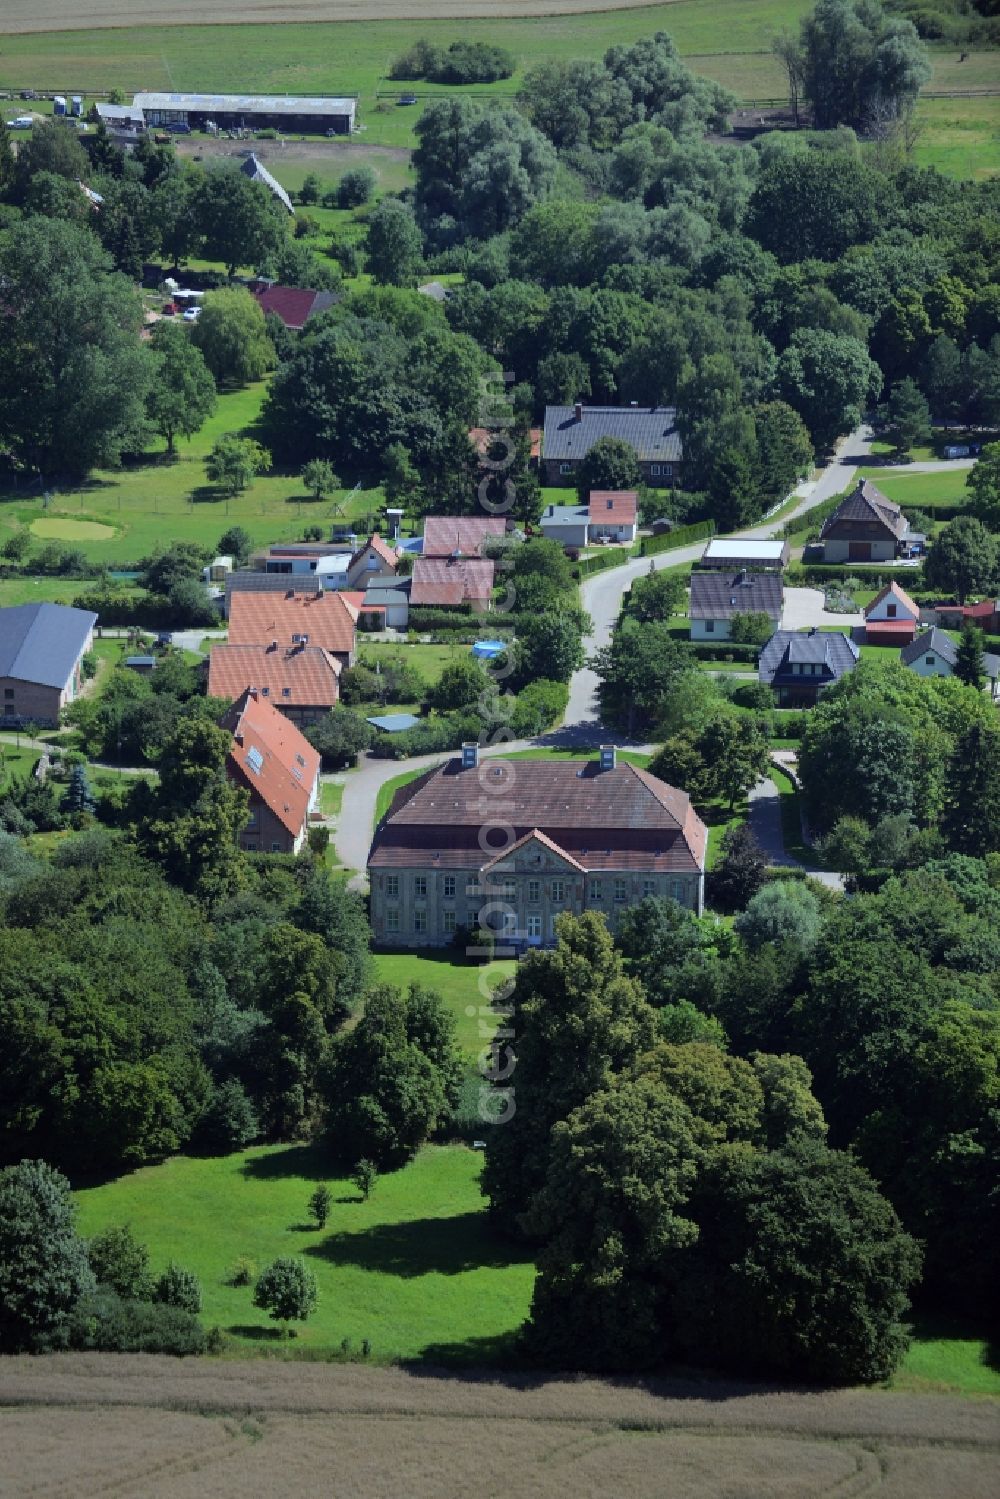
(414, 1270)
(15, 764)
(921, 491)
(947, 1357)
(719, 819)
(331, 794)
(430, 660)
(388, 790)
(464, 986)
(155, 502)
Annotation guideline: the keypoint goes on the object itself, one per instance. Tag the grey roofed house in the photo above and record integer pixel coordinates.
(571, 431)
(720, 595)
(799, 666)
(257, 172)
(42, 643)
(934, 641)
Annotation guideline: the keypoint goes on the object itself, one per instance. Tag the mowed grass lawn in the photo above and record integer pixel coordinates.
(464, 987)
(414, 1270)
(921, 491)
(155, 502)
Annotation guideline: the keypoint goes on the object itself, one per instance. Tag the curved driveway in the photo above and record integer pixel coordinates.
(601, 596)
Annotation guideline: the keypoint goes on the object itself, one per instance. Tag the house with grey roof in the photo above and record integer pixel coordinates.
(41, 652)
(866, 527)
(717, 596)
(651, 431)
(567, 524)
(799, 666)
(935, 654)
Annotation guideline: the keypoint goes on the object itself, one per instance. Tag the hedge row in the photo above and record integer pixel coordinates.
(601, 561)
(725, 652)
(699, 530)
(822, 573)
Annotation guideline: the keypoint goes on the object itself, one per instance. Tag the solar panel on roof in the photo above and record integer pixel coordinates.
(255, 759)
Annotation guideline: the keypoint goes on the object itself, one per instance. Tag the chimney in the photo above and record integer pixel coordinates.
(273, 646)
(609, 757)
(470, 755)
(578, 411)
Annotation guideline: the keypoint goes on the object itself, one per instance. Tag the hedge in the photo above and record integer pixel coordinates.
(699, 530)
(601, 561)
(726, 652)
(820, 573)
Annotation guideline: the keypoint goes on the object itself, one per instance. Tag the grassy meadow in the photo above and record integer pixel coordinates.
(728, 41)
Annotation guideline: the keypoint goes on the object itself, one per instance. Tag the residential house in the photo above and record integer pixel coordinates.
(460, 535)
(717, 596)
(865, 527)
(375, 559)
(891, 617)
(613, 515)
(571, 431)
(935, 654)
(567, 524)
(301, 681)
(294, 305)
(314, 567)
(271, 759)
(450, 582)
(801, 666)
(390, 598)
(295, 618)
(734, 553)
(42, 647)
(249, 580)
(596, 836)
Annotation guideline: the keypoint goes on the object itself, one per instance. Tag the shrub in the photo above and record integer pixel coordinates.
(243, 1272)
(319, 1205)
(120, 1263)
(356, 187)
(364, 1176)
(286, 1291)
(106, 1323)
(180, 1288)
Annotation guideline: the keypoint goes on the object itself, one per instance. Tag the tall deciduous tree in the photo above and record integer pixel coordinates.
(232, 336)
(182, 395)
(235, 462)
(963, 558)
(984, 482)
(238, 220)
(43, 1261)
(394, 246)
(860, 66)
(909, 417)
(74, 376)
(190, 823)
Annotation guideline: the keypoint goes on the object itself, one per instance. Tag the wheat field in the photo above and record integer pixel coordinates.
(170, 1429)
(56, 15)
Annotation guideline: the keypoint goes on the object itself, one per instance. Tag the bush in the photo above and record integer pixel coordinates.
(445, 731)
(537, 707)
(357, 186)
(462, 62)
(120, 1263)
(180, 1288)
(243, 1272)
(106, 1323)
(754, 695)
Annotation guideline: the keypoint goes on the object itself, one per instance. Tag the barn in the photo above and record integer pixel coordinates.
(248, 111)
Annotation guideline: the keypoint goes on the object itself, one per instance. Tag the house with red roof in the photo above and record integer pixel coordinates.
(271, 760)
(891, 618)
(450, 582)
(613, 515)
(283, 620)
(460, 535)
(300, 681)
(596, 836)
(294, 305)
(984, 615)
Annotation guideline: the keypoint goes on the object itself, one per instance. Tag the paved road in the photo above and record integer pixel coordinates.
(602, 594)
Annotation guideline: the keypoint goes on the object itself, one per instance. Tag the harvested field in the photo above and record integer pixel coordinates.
(53, 15)
(170, 1429)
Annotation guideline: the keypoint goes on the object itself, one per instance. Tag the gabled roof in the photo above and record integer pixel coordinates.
(829, 649)
(720, 594)
(613, 507)
(381, 549)
(294, 305)
(601, 819)
(299, 676)
(451, 580)
(535, 836)
(326, 618)
(933, 641)
(42, 643)
(272, 759)
(650, 430)
(444, 535)
(257, 172)
(893, 591)
(866, 503)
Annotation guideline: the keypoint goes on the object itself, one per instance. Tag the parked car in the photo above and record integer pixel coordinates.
(407, 98)
(177, 127)
(191, 314)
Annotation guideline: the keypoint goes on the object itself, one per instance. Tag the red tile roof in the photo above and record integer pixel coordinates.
(271, 759)
(299, 676)
(893, 590)
(294, 305)
(613, 507)
(623, 818)
(451, 580)
(327, 618)
(381, 549)
(446, 534)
